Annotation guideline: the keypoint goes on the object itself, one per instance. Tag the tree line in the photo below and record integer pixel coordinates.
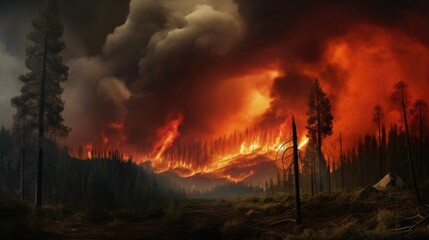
(101, 182)
(229, 189)
(401, 150)
(33, 166)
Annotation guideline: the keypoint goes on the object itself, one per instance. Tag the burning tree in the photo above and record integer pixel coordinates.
(319, 122)
(40, 102)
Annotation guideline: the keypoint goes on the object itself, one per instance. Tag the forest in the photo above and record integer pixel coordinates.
(179, 121)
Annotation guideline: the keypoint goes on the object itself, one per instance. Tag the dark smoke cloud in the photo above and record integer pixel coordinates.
(145, 60)
(163, 52)
(174, 58)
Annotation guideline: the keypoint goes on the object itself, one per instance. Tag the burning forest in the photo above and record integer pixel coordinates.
(145, 104)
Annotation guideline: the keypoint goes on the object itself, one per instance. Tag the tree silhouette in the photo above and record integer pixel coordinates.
(40, 100)
(418, 114)
(401, 99)
(319, 122)
(377, 116)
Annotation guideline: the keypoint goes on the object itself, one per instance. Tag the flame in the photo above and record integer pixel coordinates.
(166, 152)
(242, 156)
(88, 148)
(167, 135)
(304, 141)
(111, 126)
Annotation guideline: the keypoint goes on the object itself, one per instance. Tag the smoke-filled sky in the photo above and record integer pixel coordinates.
(222, 65)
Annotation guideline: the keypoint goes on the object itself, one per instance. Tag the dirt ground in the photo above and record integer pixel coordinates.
(389, 215)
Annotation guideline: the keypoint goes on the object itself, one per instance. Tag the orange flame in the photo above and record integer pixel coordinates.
(166, 136)
(115, 126)
(88, 148)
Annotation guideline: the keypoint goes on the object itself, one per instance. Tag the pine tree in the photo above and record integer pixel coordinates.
(401, 99)
(319, 122)
(40, 101)
(376, 118)
(418, 115)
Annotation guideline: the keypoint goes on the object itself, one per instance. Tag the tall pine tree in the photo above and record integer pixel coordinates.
(401, 98)
(418, 117)
(319, 122)
(40, 102)
(377, 117)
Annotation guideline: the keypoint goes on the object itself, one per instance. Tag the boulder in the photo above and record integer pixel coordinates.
(389, 181)
(366, 192)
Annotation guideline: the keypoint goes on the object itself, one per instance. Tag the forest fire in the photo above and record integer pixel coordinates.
(109, 127)
(342, 65)
(88, 149)
(232, 119)
(166, 136)
(217, 112)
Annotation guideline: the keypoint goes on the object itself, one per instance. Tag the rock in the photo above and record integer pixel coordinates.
(367, 192)
(389, 181)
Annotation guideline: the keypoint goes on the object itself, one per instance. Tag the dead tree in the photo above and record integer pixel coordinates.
(296, 173)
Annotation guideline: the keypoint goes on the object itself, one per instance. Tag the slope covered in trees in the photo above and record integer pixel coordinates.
(101, 182)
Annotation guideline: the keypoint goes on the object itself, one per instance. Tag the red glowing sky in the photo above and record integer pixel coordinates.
(159, 73)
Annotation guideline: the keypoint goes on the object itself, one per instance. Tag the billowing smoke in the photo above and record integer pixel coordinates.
(10, 68)
(225, 65)
(158, 63)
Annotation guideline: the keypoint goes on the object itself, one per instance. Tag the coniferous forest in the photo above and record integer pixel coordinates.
(235, 119)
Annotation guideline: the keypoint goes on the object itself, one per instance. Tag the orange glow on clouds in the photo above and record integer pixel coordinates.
(369, 60)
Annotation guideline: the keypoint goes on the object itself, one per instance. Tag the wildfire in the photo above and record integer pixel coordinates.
(88, 149)
(111, 126)
(253, 147)
(213, 157)
(304, 141)
(242, 157)
(167, 135)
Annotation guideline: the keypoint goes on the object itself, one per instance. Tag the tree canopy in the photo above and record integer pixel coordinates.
(43, 54)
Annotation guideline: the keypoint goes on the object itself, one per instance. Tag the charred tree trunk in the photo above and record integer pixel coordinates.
(296, 173)
(23, 160)
(319, 141)
(41, 120)
(380, 149)
(420, 141)
(341, 163)
(312, 173)
(410, 155)
(329, 176)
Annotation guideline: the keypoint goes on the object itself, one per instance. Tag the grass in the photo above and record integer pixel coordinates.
(18, 221)
(341, 215)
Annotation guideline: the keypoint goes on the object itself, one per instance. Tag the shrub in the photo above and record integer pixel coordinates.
(386, 220)
(239, 230)
(350, 230)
